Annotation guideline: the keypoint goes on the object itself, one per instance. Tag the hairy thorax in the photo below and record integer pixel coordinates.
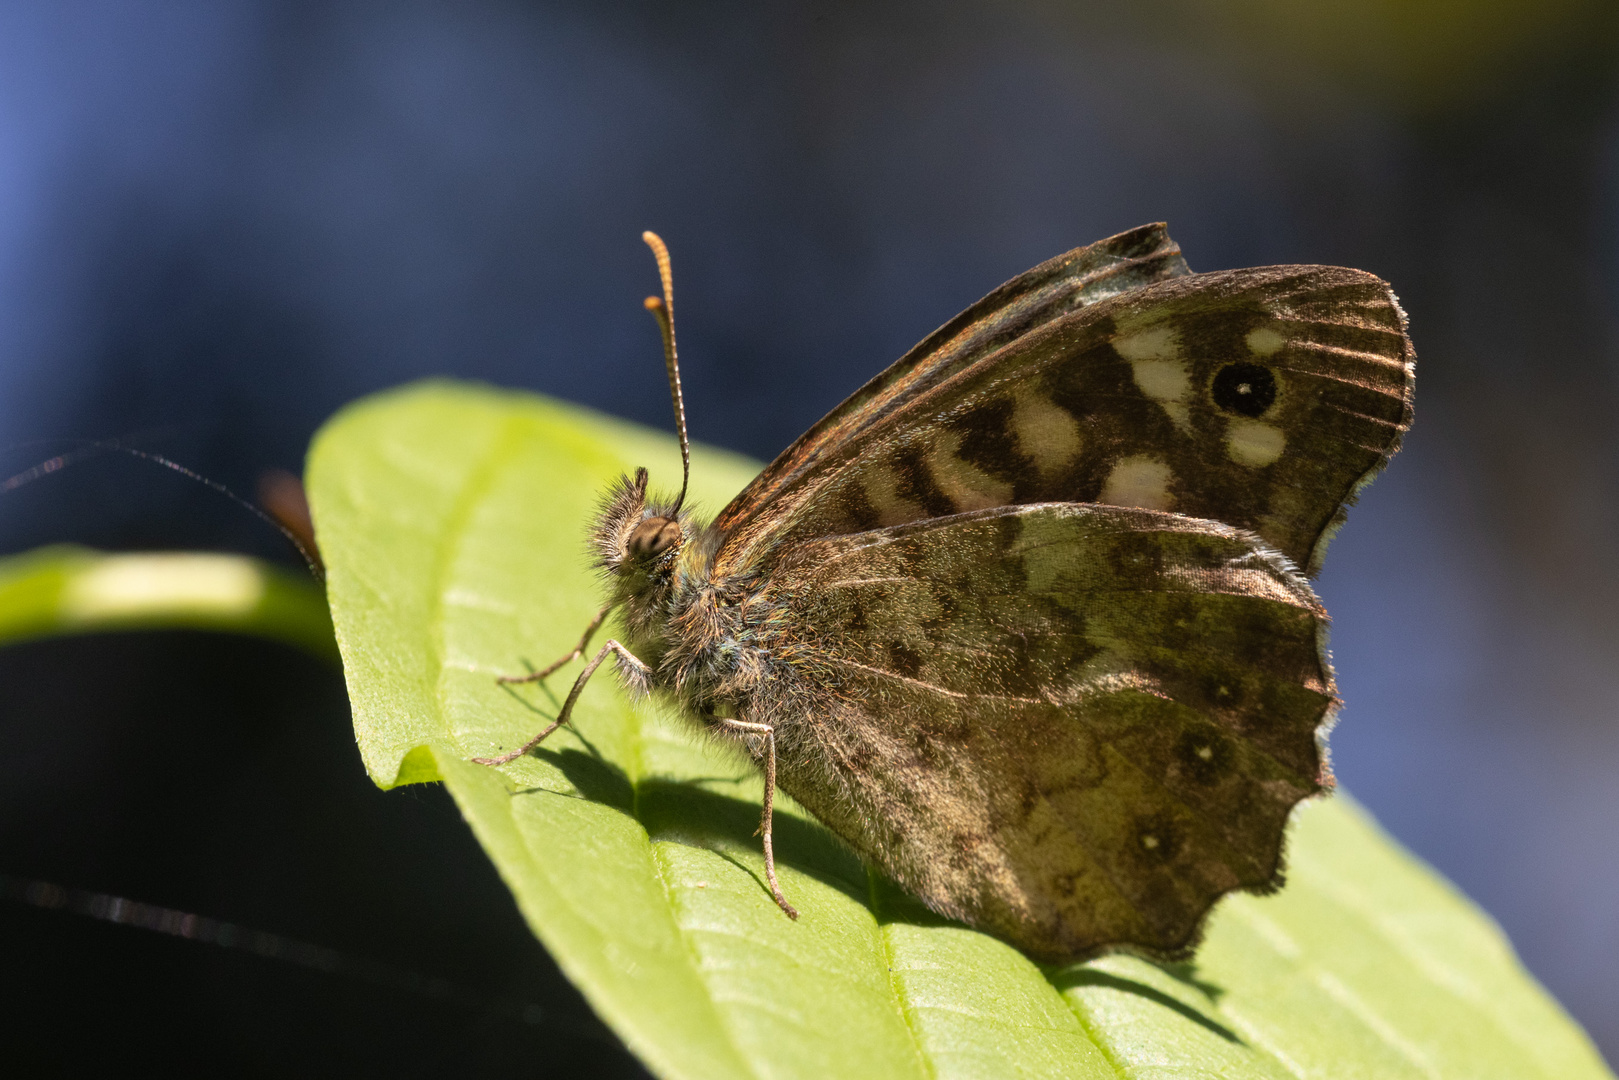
(710, 642)
(715, 655)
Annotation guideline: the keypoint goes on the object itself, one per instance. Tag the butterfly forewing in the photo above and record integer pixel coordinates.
(1074, 726)
(1049, 291)
(1260, 398)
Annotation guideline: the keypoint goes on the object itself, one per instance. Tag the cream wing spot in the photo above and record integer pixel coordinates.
(1162, 380)
(1157, 342)
(1254, 444)
(1045, 432)
(882, 492)
(1159, 370)
(1138, 480)
(1264, 340)
(1168, 382)
(968, 486)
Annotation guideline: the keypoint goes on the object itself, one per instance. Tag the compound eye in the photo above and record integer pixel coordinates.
(653, 537)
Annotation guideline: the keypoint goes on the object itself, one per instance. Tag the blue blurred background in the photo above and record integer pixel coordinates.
(221, 220)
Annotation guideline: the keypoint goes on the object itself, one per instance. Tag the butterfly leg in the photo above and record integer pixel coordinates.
(626, 658)
(770, 802)
(578, 650)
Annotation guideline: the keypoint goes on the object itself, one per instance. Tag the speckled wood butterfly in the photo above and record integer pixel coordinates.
(1021, 620)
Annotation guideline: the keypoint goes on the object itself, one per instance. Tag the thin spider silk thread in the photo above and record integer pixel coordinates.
(91, 447)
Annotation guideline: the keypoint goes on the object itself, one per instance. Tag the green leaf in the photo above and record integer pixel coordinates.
(452, 519)
(65, 589)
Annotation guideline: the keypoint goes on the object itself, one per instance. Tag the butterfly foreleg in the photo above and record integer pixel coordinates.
(766, 817)
(578, 650)
(629, 664)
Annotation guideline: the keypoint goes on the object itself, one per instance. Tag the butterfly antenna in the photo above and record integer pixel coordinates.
(664, 311)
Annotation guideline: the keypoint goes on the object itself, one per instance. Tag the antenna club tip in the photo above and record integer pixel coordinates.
(653, 304)
(652, 240)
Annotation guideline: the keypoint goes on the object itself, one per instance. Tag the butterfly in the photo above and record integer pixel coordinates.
(1023, 620)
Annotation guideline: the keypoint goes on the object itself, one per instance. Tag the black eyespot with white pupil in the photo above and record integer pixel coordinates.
(1246, 389)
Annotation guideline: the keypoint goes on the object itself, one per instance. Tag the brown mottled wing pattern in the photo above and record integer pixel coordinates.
(1051, 290)
(1261, 398)
(1073, 726)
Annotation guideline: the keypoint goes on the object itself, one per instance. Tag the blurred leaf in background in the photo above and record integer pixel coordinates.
(66, 589)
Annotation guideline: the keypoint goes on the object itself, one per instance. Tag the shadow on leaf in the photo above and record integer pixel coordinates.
(1186, 970)
(891, 903)
(1086, 977)
(685, 813)
(595, 777)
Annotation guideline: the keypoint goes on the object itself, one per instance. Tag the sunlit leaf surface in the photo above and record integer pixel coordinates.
(452, 520)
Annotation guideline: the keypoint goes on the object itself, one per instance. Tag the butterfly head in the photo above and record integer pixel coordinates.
(633, 538)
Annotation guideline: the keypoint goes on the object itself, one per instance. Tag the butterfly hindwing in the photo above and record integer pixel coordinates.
(1260, 398)
(1074, 726)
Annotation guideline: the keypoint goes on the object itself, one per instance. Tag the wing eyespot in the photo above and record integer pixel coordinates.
(1245, 389)
(1158, 839)
(1204, 757)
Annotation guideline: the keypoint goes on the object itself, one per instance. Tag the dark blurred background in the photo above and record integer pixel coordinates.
(220, 220)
